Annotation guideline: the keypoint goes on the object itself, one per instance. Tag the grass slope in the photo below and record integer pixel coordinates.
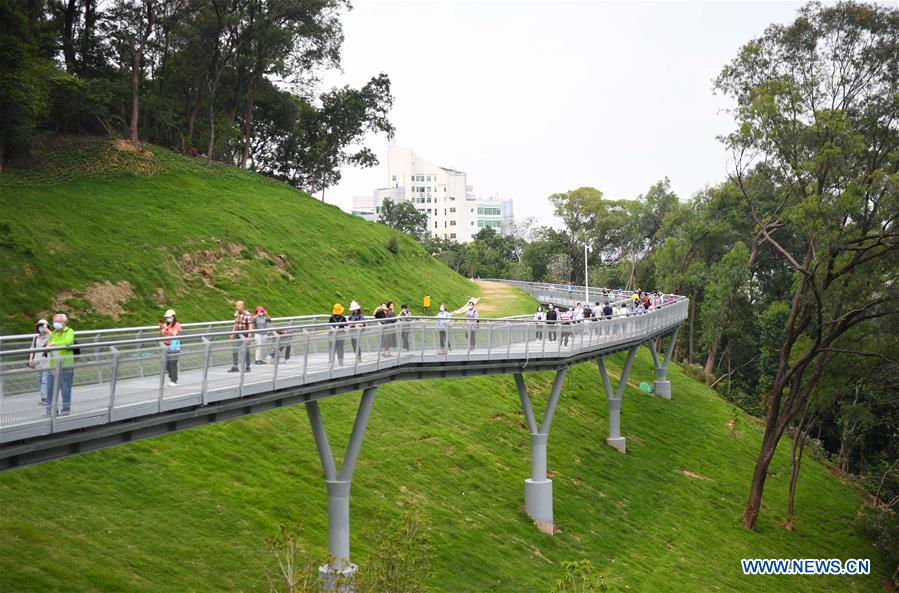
(193, 511)
(165, 230)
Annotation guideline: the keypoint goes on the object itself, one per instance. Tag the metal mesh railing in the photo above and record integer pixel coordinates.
(125, 375)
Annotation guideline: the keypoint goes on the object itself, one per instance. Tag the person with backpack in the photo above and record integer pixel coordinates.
(607, 310)
(64, 359)
(337, 329)
(261, 322)
(171, 329)
(552, 314)
(41, 360)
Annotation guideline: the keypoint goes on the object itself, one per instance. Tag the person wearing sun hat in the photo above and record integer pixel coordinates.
(338, 324)
(170, 328)
(357, 322)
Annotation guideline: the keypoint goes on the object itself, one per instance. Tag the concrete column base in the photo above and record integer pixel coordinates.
(338, 580)
(617, 443)
(662, 389)
(538, 503)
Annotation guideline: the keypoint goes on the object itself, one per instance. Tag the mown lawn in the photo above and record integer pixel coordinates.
(188, 236)
(194, 511)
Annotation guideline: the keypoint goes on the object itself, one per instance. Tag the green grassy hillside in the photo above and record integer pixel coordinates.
(193, 511)
(116, 237)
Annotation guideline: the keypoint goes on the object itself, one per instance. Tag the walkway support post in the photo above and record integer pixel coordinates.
(339, 574)
(538, 490)
(661, 385)
(614, 398)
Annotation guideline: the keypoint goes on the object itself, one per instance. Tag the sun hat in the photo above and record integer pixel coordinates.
(41, 322)
(337, 309)
(354, 306)
(169, 313)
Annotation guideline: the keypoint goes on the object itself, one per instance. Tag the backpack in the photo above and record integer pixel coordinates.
(588, 312)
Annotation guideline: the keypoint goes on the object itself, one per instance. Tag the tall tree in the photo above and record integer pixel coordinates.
(132, 22)
(404, 217)
(817, 114)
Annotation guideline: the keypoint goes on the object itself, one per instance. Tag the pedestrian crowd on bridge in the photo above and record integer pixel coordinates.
(256, 328)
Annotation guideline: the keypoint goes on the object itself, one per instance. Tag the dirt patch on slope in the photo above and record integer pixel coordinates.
(102, 298)
(492, 294)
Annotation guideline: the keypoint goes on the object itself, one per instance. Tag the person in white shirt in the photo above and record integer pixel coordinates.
(540, 318)
(442, 325)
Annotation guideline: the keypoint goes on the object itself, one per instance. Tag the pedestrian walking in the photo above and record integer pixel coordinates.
(171, 329)
(64, 360)
(540, 318)
(241, 332)
(442, 325)
(357, 324)
(552, 314)
(261, 322)
(405, 318)
(471, 324)
(40, 361)
(336, 331)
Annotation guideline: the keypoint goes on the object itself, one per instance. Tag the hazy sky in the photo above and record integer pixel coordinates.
(533, 98)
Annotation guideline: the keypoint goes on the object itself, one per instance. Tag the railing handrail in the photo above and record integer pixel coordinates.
(317, 326)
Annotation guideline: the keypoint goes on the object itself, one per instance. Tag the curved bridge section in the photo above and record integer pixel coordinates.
(120, 389)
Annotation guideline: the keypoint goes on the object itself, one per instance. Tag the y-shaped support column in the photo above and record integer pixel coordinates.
(615, 439)
(662, 386)
(538, 490)
(338, 575)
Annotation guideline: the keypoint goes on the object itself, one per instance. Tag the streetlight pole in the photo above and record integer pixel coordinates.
(586, 278)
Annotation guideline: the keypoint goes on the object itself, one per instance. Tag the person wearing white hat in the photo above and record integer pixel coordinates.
(357, 322)
(170, 328)
(41, 360)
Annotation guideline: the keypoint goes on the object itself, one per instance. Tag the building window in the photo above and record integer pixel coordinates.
(452, 223)
(429, 200)
(452, 209)
(489, 211)
(435, 224)
(472, 223)
(472, 209)
(394, 177)
(493, 224)
(429, 189)
(429, 210)
(452, 235)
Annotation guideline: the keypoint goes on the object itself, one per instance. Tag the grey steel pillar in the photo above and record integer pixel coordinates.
(338, 575)
(614, 398)
(538, 490)
(661, 385)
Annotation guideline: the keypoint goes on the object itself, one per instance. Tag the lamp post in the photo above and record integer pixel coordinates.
(586, 278)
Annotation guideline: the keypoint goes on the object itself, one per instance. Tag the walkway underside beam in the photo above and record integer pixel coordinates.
(661, 385)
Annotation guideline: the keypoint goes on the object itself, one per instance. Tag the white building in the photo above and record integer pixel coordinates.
(443, 194)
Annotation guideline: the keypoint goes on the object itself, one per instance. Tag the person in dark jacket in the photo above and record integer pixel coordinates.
(336, 332)
(552, 315)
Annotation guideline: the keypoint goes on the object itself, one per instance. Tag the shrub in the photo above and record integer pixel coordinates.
(393, 243)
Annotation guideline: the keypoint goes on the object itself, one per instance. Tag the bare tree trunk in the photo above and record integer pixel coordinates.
(798, 446)
(135, 94)
(692, 340)
(709, 368)
(68, 35)
(248, 124)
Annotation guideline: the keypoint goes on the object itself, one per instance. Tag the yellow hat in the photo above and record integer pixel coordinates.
(337, 309)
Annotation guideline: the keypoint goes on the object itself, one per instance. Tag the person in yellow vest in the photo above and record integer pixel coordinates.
(62, 335)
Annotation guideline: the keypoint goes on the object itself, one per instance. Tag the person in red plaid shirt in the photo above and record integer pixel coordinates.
(241, 332)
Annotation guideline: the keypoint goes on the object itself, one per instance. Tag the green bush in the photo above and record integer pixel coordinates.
(393, 243)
